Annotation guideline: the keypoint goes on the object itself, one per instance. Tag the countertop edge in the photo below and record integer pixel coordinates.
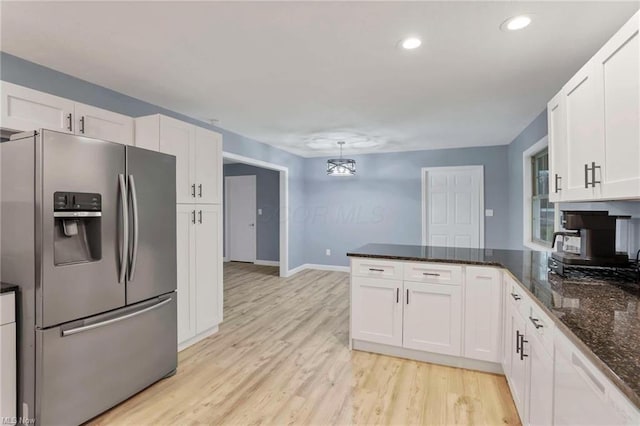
(601, 365)
(8, 288)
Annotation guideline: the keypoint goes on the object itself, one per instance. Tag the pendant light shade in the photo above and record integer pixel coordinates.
(341, 166)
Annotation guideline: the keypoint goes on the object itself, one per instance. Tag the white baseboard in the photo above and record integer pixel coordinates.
(317, 266)
(267, 262)
(195, 339)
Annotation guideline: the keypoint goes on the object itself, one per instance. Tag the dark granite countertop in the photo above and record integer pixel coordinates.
(6, 287)
(601, 316)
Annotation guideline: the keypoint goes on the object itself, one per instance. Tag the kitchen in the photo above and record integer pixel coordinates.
(455, 306)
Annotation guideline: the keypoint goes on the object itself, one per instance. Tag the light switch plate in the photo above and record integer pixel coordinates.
(259, 212)
(488, 212)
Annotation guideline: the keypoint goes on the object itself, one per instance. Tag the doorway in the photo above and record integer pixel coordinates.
(240, 202)
(453, 206)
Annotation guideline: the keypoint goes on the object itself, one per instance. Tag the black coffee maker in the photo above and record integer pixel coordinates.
(597, 232)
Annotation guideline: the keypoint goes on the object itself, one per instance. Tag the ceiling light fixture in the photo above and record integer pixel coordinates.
(410, 43)
(341, 166)
(516, 23)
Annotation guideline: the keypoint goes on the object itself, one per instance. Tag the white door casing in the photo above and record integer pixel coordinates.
(453, 206)
(240, 201)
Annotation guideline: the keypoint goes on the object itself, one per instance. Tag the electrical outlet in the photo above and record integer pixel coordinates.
(328, 252)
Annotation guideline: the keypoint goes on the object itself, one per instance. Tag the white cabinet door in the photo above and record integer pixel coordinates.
(208, 166)
(540, 395)
(8, 370)
(208, 266)
(432, 318)
(518, 376)
(580, 392)
(483, 313)
(102, 124)
(584, 135)
(557, 147)
(618, 71)
(376, 310)
(507, 340)
(178, 138)
(186, 265)
(25, 109)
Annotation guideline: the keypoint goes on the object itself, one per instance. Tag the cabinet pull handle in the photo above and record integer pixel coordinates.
(535, 322)
(557, 179)
(586, 176)
(593, 174)
(397, 294)
(522, 342)
(407, 296)
(70, 119)
(515, 296)
(517, 341)
(431, 274)
(376, 270)
(193, 190)
(200, 216)
(200, 190)
(82, 124)
(193, 217)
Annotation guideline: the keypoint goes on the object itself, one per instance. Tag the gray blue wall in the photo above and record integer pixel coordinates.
(382, 203)
(267, 199)
(19, 71)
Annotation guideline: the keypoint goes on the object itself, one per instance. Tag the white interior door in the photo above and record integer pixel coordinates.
(453, 204)
(241, 218)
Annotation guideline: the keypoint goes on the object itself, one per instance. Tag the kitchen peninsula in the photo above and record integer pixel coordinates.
(568, 346)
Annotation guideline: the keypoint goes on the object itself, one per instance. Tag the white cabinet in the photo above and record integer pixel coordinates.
(584, 135)
(186, 265)
(433, 317)
(483, 314)
(101, 124)
(518, 375)
(208, 266)
(376, 310)
(208, 150)
(8, 356)
(594, 125)
(25, 109)
(199, 248)
(617, 69)
(198, 153)
(557, 147)
(539, 410)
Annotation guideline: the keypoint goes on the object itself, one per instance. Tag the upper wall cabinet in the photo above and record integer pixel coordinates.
(25, 109)
(594, 125)
(198, 153)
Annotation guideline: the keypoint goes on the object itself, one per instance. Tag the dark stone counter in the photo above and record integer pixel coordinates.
(600, 315)
(7, 288)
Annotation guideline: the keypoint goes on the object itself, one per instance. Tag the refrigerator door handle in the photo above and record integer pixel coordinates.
(136, 228)
(124, 246)
(114, 320)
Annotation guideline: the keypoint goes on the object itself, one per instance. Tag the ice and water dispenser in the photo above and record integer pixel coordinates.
(77, 235)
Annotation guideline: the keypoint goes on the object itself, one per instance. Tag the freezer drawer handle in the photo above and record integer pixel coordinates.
(114, 320)
(125, 228)
(136, 228)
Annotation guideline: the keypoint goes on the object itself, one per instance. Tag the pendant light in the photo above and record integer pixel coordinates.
(341, 166)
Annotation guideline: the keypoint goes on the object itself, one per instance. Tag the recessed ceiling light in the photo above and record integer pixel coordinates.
(411, 43)
(516, 23)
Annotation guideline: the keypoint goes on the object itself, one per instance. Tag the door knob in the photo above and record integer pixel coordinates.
(251, 225)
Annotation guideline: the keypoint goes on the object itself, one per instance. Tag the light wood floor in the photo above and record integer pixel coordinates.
(281, 357)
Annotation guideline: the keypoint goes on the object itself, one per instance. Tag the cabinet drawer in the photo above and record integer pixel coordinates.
(435, 273)
(542, 325)
(7, 308)
(376, 268)
(517, 298)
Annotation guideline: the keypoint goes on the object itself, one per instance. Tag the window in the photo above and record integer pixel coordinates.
(542, 211)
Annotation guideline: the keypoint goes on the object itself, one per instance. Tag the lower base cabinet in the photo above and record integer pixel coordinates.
(432, 318)
(199, 247)
(376, 310)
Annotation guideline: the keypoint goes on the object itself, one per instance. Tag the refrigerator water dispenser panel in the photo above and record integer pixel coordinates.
(78, 230)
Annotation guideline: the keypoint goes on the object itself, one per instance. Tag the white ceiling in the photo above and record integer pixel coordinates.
(303, 75)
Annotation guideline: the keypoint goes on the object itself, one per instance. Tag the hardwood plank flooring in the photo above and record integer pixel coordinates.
(281, 357)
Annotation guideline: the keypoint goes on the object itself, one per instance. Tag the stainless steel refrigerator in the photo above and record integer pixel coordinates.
(89, 235)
